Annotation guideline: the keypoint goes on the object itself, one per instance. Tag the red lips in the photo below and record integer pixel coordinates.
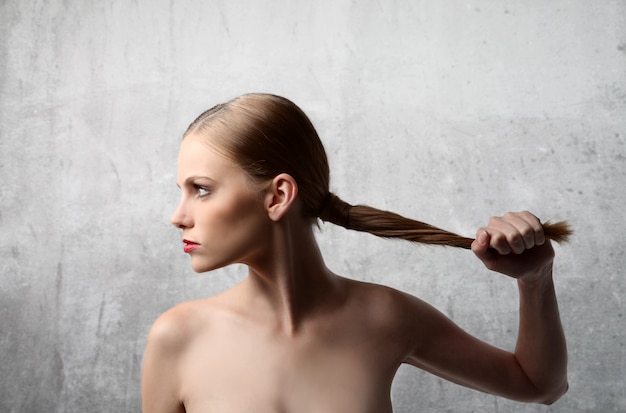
(190, 245)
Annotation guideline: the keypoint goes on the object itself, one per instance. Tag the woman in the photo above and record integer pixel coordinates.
(295, 337)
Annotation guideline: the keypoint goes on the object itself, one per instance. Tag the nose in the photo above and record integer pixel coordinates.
(181, 218)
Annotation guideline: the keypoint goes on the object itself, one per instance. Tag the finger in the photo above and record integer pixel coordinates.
(480, 245)
(537, 227)
(523, 229)
(505, 238)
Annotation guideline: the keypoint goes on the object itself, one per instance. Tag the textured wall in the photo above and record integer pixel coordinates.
(445, 111)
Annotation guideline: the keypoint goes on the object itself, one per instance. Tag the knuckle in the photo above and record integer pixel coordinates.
(515, 240)
(497, 238)
(527, 233)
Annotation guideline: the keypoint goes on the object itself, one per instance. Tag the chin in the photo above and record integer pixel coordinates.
(200, 267)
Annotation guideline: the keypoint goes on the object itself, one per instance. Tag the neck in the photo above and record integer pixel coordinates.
(291, 281)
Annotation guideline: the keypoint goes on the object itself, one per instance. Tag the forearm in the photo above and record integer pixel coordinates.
(541, 349)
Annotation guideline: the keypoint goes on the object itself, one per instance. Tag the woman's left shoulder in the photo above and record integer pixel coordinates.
(385, 304)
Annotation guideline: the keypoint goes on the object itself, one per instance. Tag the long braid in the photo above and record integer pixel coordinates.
(391, 225)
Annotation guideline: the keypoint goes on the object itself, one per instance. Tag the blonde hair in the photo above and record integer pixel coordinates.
(267, 135)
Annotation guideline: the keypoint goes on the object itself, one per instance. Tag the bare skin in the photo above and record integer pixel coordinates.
(294, 337)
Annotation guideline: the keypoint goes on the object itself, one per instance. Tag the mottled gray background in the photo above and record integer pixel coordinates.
(446, 111)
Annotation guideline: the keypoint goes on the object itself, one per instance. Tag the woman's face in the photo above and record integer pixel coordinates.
(222, 218)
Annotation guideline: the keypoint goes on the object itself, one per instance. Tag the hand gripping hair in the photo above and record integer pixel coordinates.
(267, 135)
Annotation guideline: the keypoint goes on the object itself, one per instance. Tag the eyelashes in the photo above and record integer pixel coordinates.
(201, 191)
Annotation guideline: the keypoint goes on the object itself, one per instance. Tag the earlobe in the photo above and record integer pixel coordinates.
(280, 196)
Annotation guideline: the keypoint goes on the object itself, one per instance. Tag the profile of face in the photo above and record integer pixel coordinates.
(221, 215)
(267, 135)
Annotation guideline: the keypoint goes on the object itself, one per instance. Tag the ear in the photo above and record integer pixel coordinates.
(280, 196)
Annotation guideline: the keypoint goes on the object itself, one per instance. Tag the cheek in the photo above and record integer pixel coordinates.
(237, 214)
(237, 225)
(230, 235)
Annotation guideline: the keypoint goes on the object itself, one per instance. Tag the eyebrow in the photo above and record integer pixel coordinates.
(193, 178)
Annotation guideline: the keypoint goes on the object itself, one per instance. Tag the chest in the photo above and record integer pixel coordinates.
(336, 370)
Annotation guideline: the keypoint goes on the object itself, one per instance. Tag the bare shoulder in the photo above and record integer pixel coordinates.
(167, 344)
(176, 328)
(382, 297)
(388, 306)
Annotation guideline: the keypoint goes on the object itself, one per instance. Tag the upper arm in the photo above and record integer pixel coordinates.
(160, 379)
(439, 346)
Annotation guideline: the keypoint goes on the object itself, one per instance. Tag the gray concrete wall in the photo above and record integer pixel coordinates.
(446, 111)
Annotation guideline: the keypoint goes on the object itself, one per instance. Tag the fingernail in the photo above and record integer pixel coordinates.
(482, 237)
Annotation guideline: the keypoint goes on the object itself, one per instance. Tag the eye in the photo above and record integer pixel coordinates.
(201, 191)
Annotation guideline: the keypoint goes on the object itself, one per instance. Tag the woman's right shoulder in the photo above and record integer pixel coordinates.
(177, 327)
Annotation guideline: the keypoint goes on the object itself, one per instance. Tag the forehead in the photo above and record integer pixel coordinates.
(197, 158)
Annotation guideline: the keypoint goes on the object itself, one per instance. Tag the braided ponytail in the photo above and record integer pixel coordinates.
(387, 224)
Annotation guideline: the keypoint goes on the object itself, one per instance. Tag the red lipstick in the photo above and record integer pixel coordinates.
(190, 245)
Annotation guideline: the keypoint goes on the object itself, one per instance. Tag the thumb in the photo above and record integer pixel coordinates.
(480, 246)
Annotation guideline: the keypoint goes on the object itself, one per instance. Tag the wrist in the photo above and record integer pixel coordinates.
(536, 279)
